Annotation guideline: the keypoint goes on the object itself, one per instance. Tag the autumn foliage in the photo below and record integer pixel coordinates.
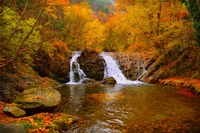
(128, 26)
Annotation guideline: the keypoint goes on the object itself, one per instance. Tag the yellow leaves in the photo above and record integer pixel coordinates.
(52, 6)
(70, 120)
(58, 2)
(50, 94)
(60, 47)
(79, 10)
(35, 97)
(33, 122)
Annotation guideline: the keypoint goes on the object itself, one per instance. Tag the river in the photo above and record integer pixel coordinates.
(129, 108)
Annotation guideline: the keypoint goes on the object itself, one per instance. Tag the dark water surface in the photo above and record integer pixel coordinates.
(131, 108)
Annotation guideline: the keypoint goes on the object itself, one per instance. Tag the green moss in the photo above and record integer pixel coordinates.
(37, 119)
(27, 125)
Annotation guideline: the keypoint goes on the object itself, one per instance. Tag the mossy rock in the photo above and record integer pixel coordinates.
(11, 128)
(14, 111)
(109, 81)
(37, 100)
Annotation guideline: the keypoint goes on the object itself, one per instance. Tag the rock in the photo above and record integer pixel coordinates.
(38, 100)
(62, 80)
(14, 111)
(109, 81)
(88, 81)
(11, 128)
(92, 64)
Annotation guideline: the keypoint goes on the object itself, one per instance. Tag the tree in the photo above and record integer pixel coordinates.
(18, 51)
(194, 9)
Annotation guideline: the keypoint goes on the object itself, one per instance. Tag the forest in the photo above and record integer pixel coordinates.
(38, 37)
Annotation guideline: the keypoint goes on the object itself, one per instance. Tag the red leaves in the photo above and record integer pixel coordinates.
(184, 85)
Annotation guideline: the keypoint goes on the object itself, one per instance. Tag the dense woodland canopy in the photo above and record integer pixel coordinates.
(97, 25)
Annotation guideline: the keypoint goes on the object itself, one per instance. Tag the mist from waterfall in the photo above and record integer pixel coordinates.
(111, 69)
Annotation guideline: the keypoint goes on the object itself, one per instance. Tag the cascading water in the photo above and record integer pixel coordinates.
(112, 70)
(75, 69)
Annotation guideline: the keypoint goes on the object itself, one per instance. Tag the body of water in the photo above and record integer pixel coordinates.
(130, 108)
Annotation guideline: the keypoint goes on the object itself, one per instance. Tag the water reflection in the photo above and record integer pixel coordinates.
(75, 97)
(122, 108)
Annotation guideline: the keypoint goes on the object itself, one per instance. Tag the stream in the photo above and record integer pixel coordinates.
(129, 108)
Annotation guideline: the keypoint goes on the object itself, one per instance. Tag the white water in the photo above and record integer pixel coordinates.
(111, 69)
(75, 68)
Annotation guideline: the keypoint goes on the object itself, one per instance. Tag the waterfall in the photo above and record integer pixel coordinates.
(111, 69)
(75, 70)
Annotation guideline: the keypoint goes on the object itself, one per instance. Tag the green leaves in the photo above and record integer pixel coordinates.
(194, 10)
(8, 22)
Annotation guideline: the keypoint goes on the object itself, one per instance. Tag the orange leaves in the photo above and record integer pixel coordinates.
(137, 47)
(58, 2)
(52, 6)
(60, 47)
(39, 123)
(193, 84)
(36, 97)
(32, 121)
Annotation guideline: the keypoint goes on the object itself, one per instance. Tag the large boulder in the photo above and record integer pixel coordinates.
(37, 100)
(92, 64)
(109, 81)
(11, 128)
(14, 111)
